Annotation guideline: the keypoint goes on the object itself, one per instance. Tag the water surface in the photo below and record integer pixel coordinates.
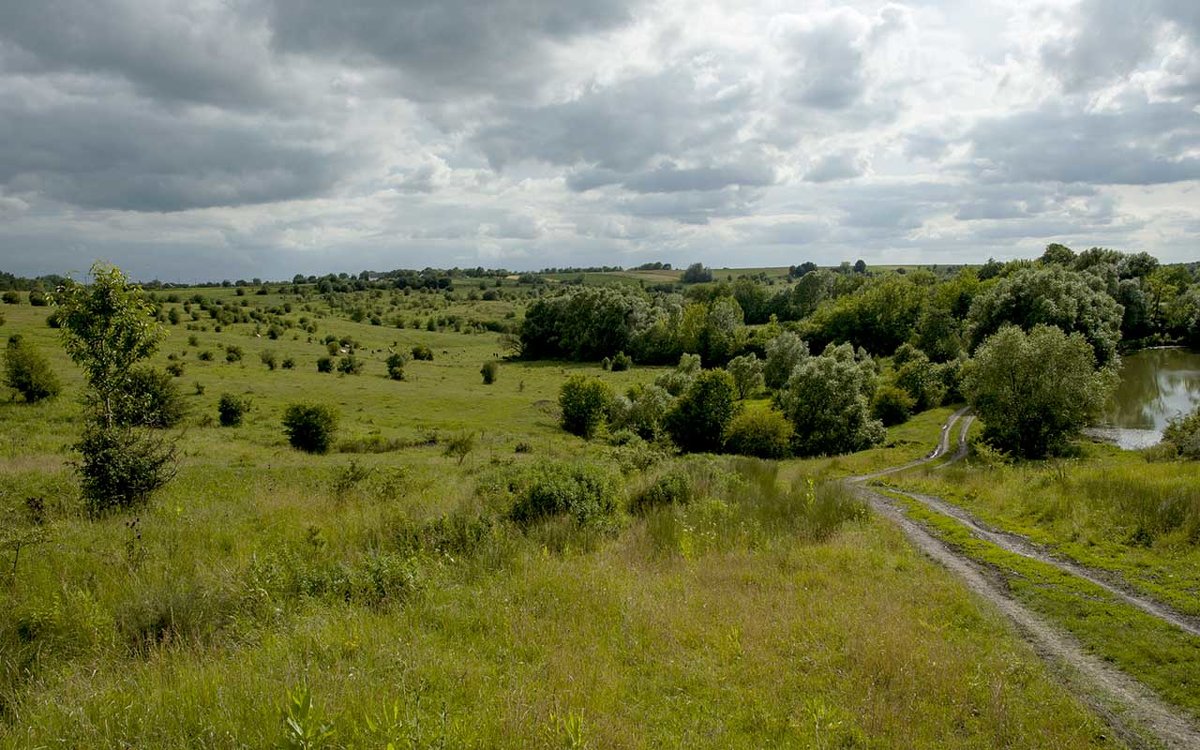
(1156, 386)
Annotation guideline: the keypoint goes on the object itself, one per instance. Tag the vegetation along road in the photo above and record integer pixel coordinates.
(1136, 714)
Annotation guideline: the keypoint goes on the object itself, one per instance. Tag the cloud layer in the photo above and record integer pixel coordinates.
(224, 138)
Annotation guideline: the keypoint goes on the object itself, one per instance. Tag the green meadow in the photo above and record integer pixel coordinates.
(382, 595)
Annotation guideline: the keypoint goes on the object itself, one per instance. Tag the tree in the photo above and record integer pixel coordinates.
(697, 274)
(827, 400)
(1057, 254)
(697, 421)
(761, 433)
(1035, 391)
(860, 266)
(584, 402)
(784, 352)
(28, 372)
(1071, 301)
(107, 327)
(747, 372)
(310, 427)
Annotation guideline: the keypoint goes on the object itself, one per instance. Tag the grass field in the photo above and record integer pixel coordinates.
(272, 598)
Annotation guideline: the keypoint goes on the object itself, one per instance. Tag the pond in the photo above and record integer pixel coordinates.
(1156, 385)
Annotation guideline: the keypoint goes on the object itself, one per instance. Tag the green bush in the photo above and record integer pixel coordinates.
(350, 365)
(150, 398)
(121, 467)
(268, 358)
(672, 488)
(585, 492)
(585, 403)
(231, 409)
(489, 371)
(759, 433)
(11, 298)
(175, 369)
(891, 405)
(288, 363)
(697, 421)
(395, 365)
(27, 372)
(310, 427)
(621, 362)
(1183, 433)
(205, 356)
(325, 364)
(422, 353)
(233, 353)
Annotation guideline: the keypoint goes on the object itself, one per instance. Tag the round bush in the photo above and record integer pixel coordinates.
(28, 372)
(760, 433)
(150, 399)
(421, 352)
(231, 409)
(310, 427)
(584, 403)
(892, 405)
(489, 371)
(325, 364)
(586, 492)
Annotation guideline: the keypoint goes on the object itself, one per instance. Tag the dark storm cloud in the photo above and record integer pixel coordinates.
(113, 154)
(446, 44)
(1143, 144)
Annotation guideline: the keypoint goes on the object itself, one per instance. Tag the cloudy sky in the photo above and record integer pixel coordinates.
(209, 139)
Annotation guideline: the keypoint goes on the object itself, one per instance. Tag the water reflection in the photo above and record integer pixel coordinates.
(1156, 386)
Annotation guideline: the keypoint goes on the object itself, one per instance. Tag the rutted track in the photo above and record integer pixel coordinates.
(1128, 706)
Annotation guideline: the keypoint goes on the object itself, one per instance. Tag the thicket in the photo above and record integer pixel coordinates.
(28, 372)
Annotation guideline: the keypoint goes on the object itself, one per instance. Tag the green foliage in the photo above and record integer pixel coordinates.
(585, 402)
(150, 399)
(28, 372)
(11, 297)
(422, 353)
(584, 323)
(762, 433)
(784, 352)
(1183, 434)
(678, 380)
(310, 427)
(920, 378)
(1054, 296)
(121, 466)
(232, 409)
(696, 273)
(459, 446)
(304, 726)
(490, 371)
(698, 419)
(108, 326)
(747, 372)
(827, 400)
(938, 333)
(324, 364)
(621, 362)
(350, 365)
(395, 365)
(673, 488)
(642, 409)
(584, 491)
(269, 358)
(1035, 391)
(879, 317)
(892, 405)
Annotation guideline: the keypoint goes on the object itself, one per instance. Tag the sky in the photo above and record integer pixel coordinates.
(210, 139)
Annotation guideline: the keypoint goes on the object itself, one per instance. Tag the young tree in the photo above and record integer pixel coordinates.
(784, 352)
(585, 403)
(698, 420)
(1035, 391)
(827, 399)
(108, 326)
(27, 372)
(747, 372)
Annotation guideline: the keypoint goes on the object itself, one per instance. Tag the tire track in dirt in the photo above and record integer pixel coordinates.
(1138, 716)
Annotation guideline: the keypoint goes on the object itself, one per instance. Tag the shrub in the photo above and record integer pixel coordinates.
(11, 298)
(759, 433)
(673, 488)
(585, 492)
(621, 362)
(422, 353)
(1183, 433)
(585, 403)
(891, 405)
(784, 352)
(697, 421)
(827, 399)
(27, 372)
(350, 365)
(205, 356)
(268, 358)
(175, 369)
(677, 381)
(310, 427)
(150, 399)
(288, 363)
(233, 353)
(642, 409)
(460, 446)
(325, 364)
(121, 467)
(38, 298)
(395, 365)
(747, 372)
(489, 371)
(231, 409)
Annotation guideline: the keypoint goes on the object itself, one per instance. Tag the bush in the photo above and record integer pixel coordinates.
(205, 356)
(310, 427)
(233, 353)
(621, 362)
(27, 372)
(350, 365)
(585, 492)
(325, 364)
(827, 398)
(175, 369)
(489, 371)
(422, 353)
(268, 358)
(673, 488)
(121, 467)
(1183, 434)
(784, 352)
(53, 320)
(11, 298)
(747, 372)
(150, 399)
(231, 409)
(891, 405)
(698, 420)
(642, 410)
(585, 403)
(395, 365)
(759, 433)
(288, 363)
